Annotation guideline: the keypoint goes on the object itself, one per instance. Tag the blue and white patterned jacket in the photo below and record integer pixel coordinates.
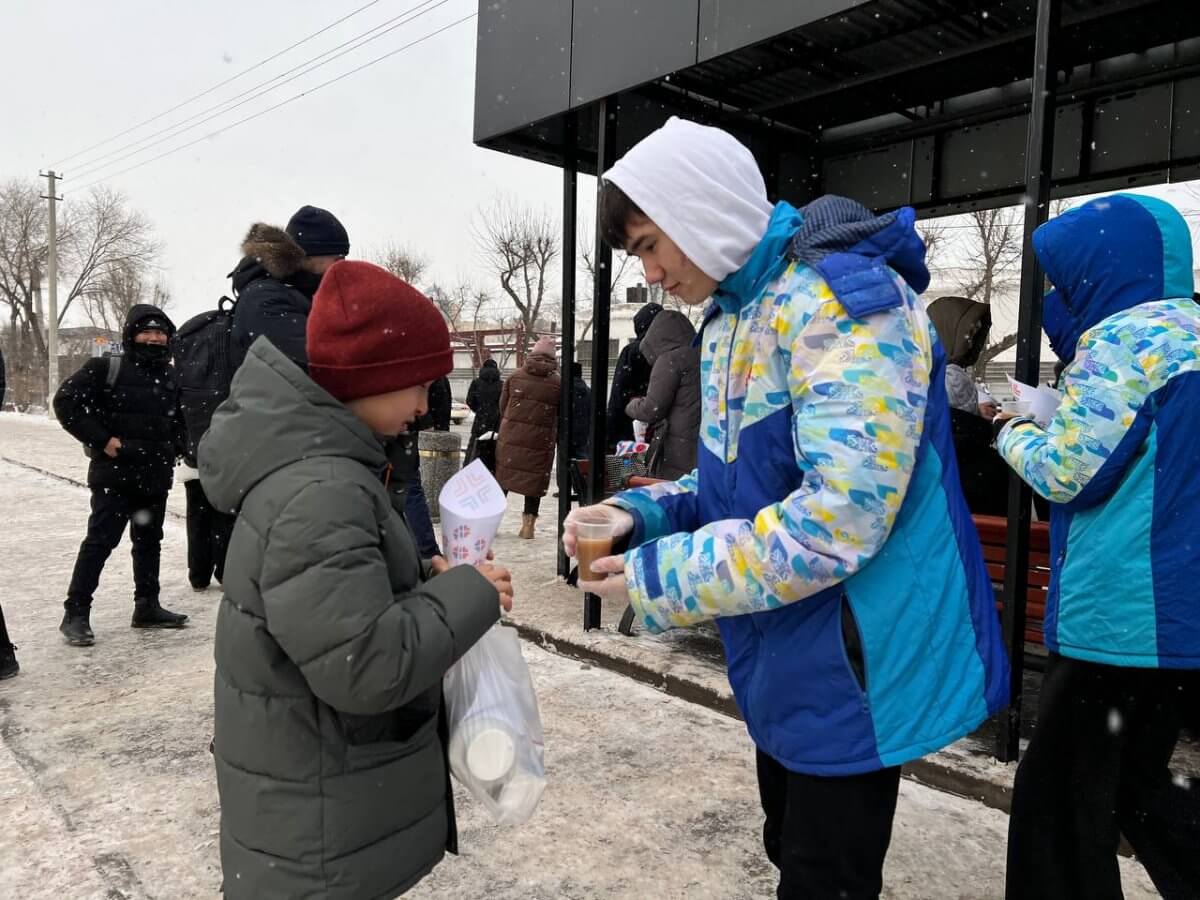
(824, 527)
(1121, 458)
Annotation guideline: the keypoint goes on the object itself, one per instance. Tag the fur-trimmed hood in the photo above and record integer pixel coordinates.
(274, 249)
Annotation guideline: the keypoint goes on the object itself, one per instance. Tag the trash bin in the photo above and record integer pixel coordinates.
(441, 457)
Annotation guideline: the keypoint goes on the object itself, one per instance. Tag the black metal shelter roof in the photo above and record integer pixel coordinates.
(891, 101)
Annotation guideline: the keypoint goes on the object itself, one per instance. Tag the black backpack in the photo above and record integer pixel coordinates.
(110, 381)
(204, 368)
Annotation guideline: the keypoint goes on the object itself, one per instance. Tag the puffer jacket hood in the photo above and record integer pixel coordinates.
(670, 330)
(643, 318)
(136, 314)
(489, 371)
(962, 326)
(1110, 255)
(250, 438)
(541, 365)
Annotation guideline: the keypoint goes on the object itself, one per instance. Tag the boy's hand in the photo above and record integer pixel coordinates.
(614, 586)
(501, 580)
(622, 523)
(111, 448)
(438, 565)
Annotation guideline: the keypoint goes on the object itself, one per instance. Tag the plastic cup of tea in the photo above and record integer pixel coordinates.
(593, 541)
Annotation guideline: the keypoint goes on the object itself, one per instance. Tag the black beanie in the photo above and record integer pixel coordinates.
(318, 232)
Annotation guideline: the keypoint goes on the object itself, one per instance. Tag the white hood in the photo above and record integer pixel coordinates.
(703, 188)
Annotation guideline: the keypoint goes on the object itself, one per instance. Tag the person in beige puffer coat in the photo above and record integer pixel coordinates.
(529, 430)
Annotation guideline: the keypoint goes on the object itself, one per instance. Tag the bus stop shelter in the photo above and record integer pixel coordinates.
(944, 105)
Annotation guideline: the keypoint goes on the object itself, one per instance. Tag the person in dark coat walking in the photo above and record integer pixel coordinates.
(3, 381)
(631, 378)
(280, 271)
(581, 414)
(333, 637)
(483, 399)
(672, 402)
(8, 655)
(132, 430)
(441, 401)
(528, 431)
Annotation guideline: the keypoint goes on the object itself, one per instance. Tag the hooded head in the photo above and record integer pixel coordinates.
(643, 318)
(144, 318)
(1106, 256)
(545, 346)
(489, 371)
(962, 326)
(670, 330)
(700, 188)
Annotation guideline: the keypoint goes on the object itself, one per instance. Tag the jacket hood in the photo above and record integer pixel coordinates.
(136, 314)
(643, 318)
(703, 188)
(489, 371)
(962, 326)
(670, 330)
(273, 248)
(541, 364)
(276, 415)
(1109, 255)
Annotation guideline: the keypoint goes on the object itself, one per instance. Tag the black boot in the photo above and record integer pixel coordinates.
(148, 614)
(8, 661)
(77, 629)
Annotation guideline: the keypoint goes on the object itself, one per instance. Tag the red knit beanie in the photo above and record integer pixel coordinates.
(371, 333)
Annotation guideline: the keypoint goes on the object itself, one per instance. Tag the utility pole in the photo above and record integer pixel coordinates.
(52, 279)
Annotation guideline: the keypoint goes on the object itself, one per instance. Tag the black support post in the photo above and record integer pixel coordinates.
(1039, 161)
(566, 394)
(606, 150)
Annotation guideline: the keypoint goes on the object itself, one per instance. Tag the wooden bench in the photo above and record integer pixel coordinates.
(993, 535)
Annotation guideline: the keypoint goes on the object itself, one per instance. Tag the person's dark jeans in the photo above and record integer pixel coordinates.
(4, 639)
(1096, 768)
(416, 511)
(111, 510)
(828, 836)
(208, 533)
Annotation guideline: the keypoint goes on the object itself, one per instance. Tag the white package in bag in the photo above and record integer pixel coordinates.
(496, 743)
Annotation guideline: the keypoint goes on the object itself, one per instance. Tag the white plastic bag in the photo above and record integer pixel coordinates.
(496, 744)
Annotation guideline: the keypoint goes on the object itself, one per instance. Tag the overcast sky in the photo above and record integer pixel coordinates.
(388, 150)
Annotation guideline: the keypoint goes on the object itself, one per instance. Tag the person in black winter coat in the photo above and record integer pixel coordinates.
(3, 383)
(132, 431)
(581, 414)
(440, 401)
(281, 269)
(631, 378)
(483, 399)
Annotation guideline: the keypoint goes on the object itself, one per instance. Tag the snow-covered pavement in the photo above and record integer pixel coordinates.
(107, 788)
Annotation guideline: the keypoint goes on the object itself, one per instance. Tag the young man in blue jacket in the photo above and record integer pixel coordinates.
(1119, 464)
(824, 527)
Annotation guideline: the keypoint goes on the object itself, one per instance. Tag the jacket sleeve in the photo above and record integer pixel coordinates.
(329, 604)
(1102, 421)
(665, 378)
(504, 397)
(473, 396)
(858, 393)
(79, 404)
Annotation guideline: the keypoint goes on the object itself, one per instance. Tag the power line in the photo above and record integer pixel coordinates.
(282, 103)
(222, 84)
(96, 164)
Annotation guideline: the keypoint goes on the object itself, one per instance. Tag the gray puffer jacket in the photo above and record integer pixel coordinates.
(330, 651)
(672, 401)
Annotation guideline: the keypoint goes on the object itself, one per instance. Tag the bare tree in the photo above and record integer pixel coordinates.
(992, 248)
(402, 261)
(122, 287)
(937, 238)
(521, 246)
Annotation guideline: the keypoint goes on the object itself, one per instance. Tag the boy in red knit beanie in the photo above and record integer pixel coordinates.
(333, 635)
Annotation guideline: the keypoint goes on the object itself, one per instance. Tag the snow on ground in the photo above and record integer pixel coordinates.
(108, 792)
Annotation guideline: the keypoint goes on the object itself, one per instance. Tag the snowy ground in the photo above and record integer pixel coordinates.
(107, 788)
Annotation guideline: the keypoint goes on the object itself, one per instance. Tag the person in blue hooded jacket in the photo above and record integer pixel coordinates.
(824, 528)
(1119, 463)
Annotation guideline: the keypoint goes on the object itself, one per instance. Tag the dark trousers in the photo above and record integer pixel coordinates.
(4, 639)
(416, 512)
(1097, 768)
(827, 836)
(208, 532)
(111, 510)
